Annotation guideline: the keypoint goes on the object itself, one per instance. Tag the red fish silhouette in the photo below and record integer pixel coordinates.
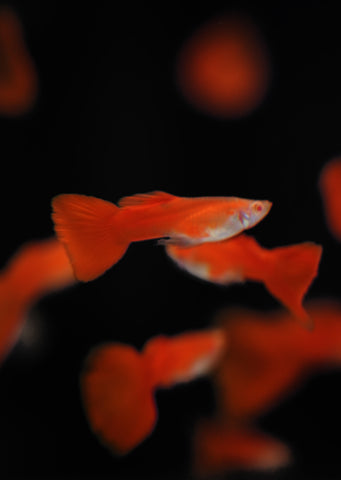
(18, 78)
(330, 188)
(269, 355)
(286, 272)
(96, 233)
(35, 270)
(223, 69)
(118, 383)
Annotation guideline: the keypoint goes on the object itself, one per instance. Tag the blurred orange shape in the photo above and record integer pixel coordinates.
(223, 69)
(180, 359)
(118, 397)
(34, 271)
(330, 188)
(219, 448)
(287, 272)
(18, 78)
(269, 356)
(118, 383)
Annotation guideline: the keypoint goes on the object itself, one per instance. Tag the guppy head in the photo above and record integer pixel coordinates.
(243, 215)
(253, 213)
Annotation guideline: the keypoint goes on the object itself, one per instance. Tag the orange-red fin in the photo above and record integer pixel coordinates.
(117, 397)
(88, 228)
(294, 269)
(145, 199)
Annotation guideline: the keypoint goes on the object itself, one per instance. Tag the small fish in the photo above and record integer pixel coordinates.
(286, 272)
(219, 447)
(18, 77)
(270, 356)
(184, 357)
(118, 397)
(97, 233)
(37, 269)
(118, 383)
(224, 68)
(330, 189)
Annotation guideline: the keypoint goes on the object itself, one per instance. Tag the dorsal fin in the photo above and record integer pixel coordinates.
(145, 199)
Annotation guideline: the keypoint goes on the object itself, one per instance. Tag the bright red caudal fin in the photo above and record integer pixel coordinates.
(292, 273)
(90, 233)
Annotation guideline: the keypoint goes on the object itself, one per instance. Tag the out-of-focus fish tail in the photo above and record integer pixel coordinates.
(117, 396)
(293, 269)
(89, 230)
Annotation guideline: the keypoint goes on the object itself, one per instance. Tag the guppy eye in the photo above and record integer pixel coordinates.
(257, 207)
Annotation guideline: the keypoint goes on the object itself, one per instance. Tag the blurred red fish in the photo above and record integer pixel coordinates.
(118, 383)
(330, 188)
(118, 396)
(223, 69)
(182, 358)
(96, 233)
(18, 78)
(286, 272)
(269, 355)
(37, 269)
(219, 448)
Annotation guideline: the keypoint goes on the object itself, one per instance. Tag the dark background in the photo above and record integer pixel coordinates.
(109, 121)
